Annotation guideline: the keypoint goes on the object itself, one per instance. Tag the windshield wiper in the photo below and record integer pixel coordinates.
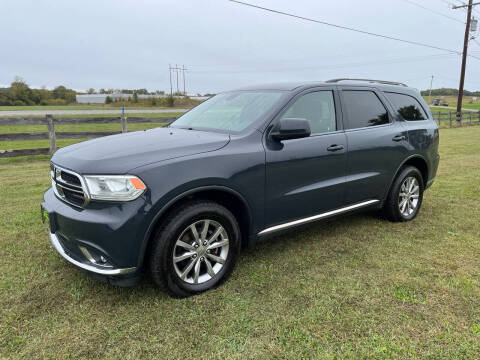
(182, 127)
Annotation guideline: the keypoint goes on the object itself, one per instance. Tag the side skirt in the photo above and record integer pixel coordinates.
(317, 217)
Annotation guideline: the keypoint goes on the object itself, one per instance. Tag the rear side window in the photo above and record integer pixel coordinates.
(364, 109)
(407, 106)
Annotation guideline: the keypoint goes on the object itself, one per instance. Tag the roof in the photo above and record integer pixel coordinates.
(290, 86)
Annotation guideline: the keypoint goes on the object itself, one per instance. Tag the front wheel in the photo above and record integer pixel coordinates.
(405, 196)
(196, 249)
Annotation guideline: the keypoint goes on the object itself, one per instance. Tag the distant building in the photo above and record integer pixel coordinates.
(100, 98)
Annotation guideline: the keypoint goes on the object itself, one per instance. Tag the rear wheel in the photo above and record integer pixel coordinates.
(406, 195)
(196, 249)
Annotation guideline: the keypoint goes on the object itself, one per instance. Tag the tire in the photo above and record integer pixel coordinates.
(395, 207)
(175, 247)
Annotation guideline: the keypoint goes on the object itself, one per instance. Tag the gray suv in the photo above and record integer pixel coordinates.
(180, 201)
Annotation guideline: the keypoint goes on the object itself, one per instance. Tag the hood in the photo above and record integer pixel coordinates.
(117, 154)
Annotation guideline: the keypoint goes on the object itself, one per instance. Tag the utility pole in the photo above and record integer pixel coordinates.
(176, 68)
(183, 72)
(430, 94)
(170, 73)
(464, 55)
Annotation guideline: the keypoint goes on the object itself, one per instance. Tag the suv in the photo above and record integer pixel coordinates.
(181, 201)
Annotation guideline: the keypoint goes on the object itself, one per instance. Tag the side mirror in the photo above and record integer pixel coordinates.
(291, 128)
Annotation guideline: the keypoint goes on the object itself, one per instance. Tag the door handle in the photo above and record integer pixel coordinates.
(399, 137)
(335, 147)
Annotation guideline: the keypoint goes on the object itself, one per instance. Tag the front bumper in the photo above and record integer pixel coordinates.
(92, 268)
(105, 240)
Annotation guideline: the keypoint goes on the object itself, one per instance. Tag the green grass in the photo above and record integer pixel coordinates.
(32, 144)
(467, 102)
(358, 287)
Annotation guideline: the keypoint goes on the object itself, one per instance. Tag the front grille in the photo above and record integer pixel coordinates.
(70, 178)
(68, 186)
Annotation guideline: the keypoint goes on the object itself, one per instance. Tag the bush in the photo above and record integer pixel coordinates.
(108, 100)
(57, 102)
(170, 100)
(135, 97)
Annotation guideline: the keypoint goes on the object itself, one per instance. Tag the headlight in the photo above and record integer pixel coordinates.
(114, 187)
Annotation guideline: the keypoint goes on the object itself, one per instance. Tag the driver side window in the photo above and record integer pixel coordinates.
(318, 108)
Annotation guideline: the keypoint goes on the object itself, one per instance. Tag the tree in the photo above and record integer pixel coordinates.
(135, 97)
(20, 92)
(108, 100)
(91, 91)
(61, 92)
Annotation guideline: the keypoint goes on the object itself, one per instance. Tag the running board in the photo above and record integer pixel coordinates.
(317, 217)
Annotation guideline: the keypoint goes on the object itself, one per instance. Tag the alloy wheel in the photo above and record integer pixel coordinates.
(409, 196)
(200, 251)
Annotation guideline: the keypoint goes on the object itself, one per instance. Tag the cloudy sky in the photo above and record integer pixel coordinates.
(130, 44)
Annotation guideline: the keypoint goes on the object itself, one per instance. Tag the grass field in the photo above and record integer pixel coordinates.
(13, 145)
(356, 287)
(467, 102)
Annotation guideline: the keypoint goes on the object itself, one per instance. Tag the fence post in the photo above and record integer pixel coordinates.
(450, 119)
(123, 119)
(51, 134)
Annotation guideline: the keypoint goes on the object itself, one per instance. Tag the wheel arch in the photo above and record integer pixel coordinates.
(416, 160)
(223, 195)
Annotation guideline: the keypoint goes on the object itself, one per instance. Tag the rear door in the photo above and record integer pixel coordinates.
(306, 176)
(376, 143)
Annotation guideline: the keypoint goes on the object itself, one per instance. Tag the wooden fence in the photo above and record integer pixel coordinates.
(449, 119)
(52, 135)
(444, 119)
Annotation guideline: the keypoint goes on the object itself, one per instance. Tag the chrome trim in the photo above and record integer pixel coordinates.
(57, 185)
(316, 217)
(56, 244)
(90, 258)
(69, 187)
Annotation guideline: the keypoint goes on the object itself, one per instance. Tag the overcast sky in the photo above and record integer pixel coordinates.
(129, 44)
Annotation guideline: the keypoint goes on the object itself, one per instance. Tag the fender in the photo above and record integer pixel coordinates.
(398, 170)
(177, 198)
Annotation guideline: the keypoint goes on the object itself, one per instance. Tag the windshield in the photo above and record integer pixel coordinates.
(232, 111)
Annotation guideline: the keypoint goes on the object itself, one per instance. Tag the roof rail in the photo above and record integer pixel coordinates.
(367, 80)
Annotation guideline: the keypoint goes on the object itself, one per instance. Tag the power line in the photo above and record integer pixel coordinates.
(464, 6)
(450, 4)
(331, 66)
(433, 11)
(456, 80)
(349, 28)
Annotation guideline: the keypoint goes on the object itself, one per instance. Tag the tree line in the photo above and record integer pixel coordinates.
(20, 94)
(449, 92)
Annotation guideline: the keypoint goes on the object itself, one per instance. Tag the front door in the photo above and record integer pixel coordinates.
(305, 177)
